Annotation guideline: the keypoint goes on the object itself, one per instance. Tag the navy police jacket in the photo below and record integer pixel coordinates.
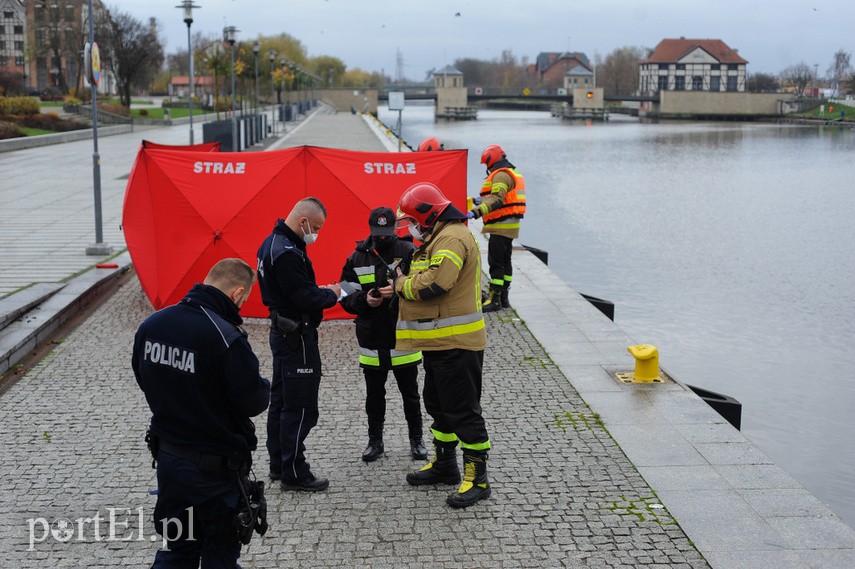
(287, 280)
(200, 375)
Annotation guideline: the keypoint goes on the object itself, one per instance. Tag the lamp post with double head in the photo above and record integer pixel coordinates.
(188, 6)
(229, 35)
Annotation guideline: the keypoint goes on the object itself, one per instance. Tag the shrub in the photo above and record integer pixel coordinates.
(143, 112)
(115, 109)
(19, 106)
(71, 101)
(50, 121)
(9, 130)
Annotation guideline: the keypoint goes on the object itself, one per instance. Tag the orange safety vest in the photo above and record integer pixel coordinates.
(514, 205)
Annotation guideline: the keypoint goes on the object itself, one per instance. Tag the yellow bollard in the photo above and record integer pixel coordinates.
(646, 362)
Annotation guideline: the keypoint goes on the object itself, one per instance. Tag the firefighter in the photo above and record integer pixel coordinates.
(376, 316)
(502, 207)
(440, 314)
(429, 144)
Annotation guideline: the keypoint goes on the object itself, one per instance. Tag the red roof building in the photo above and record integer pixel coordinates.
(179, 85)
(692, 65)
(551, 67)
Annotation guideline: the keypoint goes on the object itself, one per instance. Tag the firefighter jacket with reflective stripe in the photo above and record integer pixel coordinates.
(440, 300)
(375, 327)
(503, 202)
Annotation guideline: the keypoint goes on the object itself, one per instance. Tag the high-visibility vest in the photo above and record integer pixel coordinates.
(514, 205)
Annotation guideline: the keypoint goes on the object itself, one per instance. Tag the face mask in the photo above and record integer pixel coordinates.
(382, 243)
(309, 238)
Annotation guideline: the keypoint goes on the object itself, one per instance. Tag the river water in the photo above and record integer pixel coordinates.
(729, 246)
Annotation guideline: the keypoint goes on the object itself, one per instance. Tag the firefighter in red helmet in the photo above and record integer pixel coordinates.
(502, 207)
(439, 314)
(429, 144)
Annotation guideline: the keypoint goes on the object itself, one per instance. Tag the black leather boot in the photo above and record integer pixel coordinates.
(374, 450)
(417, 448)
(442, 469)
(475, 485)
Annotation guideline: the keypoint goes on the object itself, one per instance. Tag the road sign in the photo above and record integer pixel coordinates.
(396, 100)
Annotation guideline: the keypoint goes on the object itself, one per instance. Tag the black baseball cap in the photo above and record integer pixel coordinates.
(381, 221)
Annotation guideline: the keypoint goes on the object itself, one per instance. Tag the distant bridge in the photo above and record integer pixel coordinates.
(429, 94)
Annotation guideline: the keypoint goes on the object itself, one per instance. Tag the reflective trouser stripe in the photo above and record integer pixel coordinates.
(444, 437)
(476, 446)
(372, 357)
(497, 282)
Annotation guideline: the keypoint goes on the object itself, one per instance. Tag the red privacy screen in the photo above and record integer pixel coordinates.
(186, 209)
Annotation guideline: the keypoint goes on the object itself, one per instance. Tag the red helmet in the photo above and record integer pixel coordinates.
(491, 155)
(431, 143)
(422, 202)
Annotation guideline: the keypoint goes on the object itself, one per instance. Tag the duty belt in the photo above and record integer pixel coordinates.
(289, 327)
(207, 462)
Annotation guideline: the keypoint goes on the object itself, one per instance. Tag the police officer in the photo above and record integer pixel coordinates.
(440, 314)
(296, 303)
(376, 316)
(201, 380)
(502, 207)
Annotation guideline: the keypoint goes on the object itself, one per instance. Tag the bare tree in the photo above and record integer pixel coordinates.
(136, 53)
(618, 73)
(849, 83)
(838, 69)
(798, 75)
(763, 83)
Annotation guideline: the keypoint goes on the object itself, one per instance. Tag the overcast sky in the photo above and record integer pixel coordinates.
(770, 34)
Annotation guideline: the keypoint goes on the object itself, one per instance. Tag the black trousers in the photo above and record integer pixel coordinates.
(293, 410)
(195, 511)
(452, 393)
(499, 251)
(375, 398)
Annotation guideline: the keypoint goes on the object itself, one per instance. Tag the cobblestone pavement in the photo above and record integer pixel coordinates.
(564, 493)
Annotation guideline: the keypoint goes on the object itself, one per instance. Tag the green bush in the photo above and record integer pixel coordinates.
(19, 106)
(71, 101)
(9, 130)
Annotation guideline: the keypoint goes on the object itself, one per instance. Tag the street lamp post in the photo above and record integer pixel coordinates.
(99, 247)
(271, 55)
(229, 33)
(255, 48)
(188, 6)
(285, 89)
